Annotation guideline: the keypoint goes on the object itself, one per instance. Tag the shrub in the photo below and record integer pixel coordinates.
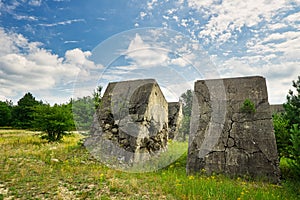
(248, 106)
(286, 128)
(292, 114)
(282, 134)
(55, 121)
(295, 149)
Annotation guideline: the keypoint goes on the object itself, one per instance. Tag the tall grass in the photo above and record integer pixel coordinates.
(32, 168)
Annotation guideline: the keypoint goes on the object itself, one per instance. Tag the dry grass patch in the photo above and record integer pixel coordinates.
(32, 168)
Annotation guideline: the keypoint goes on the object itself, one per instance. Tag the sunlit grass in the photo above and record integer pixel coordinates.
(32, 168)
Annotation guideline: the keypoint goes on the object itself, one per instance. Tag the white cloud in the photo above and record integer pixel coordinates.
(184, 22)
(276, 26)
(35, 2)
(25, 66)
(66, 22)
(151, 4)
(231, 16)
(145, 55)
(272, 48)
(70, 41)
(286, 45)
(8, 8)
(179, 62)
(279, 76)
(246, 37)
(142, 15)
(293, 19)
(101, 18)
(24, 17)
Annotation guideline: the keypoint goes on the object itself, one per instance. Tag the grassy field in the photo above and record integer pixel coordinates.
(31, 168)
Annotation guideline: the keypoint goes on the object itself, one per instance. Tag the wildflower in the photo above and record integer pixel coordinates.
(242, 193)
(178, 183)
(191, 177)
(101, 177)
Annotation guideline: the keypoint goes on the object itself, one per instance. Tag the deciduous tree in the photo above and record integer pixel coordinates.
(5, 113)
(54, 121)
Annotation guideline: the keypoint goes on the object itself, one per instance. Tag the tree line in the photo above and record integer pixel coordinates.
(54, 121)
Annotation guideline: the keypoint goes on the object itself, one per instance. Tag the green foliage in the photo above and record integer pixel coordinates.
(84, 109)
(282, 134)
(187, 101)
(5, 113)
(295, 149)
(248, 106)
(54, 121)
(185, 126)
(22, 114)
(65, 170)
(292, 106)
(97, 96)
(292, 114)
(83, 112)
(286, 128)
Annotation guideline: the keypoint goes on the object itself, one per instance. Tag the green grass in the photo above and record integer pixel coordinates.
(31, 168)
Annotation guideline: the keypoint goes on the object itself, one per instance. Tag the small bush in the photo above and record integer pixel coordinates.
(295, 150)
(248, 106)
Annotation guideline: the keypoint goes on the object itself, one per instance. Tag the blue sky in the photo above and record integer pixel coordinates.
(58, 49)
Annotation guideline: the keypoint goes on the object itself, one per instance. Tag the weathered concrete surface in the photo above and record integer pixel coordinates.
(224, 139)
(276, 108)
(175, 118)
(131, 124)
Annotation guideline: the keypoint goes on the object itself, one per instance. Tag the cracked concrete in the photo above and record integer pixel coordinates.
(175, 116)
(224, 139)
(131, 125)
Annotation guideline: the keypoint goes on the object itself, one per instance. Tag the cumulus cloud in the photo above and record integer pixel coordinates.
(244, 37)
(230, 16)
(279, 76)
(25, 66)
(145, 55)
